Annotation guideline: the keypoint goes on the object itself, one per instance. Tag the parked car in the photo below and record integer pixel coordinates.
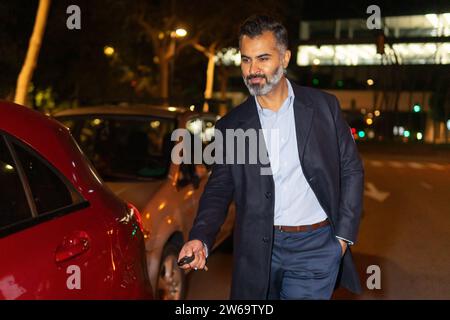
(63, 233)
(130, 146)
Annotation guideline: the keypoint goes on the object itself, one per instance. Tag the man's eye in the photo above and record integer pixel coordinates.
(264, 59)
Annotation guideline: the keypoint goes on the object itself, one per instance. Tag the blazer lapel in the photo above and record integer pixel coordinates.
(304, 114)
(250, 118)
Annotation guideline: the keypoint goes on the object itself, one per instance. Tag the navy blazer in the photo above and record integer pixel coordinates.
(331, 165)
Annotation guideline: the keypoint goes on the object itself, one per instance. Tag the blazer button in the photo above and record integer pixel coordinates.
(268, 194)
(265, 239)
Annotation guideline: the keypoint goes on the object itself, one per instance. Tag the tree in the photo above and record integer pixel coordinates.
(210, 53)
(211, 26)
(29, 65)
(158, 23)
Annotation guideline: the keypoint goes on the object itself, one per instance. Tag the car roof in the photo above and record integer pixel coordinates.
(139, 110)
(180, 114)
(50, 139)
(24, 122)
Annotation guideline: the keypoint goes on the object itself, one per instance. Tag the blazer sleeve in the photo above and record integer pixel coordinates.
(351, 179)
(216, 197)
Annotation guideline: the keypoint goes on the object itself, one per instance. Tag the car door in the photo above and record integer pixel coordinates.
(52, 244)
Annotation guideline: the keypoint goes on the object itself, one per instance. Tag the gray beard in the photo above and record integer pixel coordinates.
(262, 90)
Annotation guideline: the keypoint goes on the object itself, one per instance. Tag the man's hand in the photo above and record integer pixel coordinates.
(343, 246)
(194, 247)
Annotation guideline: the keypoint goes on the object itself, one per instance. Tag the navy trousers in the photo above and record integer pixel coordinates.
(304, 265)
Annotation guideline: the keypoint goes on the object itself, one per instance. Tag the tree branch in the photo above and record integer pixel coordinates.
(151, 32)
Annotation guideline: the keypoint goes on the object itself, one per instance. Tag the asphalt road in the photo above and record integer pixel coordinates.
(405, 231)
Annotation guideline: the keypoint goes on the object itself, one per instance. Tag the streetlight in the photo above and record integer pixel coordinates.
(178, 33)
(108, 51)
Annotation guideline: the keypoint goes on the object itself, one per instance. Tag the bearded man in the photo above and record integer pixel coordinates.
(293, 227)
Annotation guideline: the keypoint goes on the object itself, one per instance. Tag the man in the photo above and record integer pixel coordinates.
(293, 227)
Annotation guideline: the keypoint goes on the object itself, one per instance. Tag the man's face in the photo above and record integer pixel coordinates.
(262, 63)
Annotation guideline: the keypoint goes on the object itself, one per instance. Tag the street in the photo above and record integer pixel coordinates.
(108, 111)
(405, 230)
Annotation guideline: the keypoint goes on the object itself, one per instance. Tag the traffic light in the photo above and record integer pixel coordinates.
(417, 107)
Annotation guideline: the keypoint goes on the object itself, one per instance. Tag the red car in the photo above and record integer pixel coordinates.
(63, 234)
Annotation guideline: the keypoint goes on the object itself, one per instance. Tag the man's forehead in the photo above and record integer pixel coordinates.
(265, 41)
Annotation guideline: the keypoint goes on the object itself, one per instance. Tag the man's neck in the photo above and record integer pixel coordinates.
(275, 98)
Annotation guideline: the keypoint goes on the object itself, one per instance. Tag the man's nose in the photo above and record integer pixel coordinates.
(254, 68)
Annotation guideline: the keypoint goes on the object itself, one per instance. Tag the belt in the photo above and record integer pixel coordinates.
(303, 228)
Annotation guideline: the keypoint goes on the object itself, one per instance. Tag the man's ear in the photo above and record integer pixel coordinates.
(286, 58)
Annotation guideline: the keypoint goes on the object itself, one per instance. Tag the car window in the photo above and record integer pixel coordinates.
(69, 124)
(125, 147)
(209, 126)
(203, 127)
(50, 192)
(13, 203)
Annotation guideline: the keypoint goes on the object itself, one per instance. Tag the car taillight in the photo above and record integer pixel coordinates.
(134, 213)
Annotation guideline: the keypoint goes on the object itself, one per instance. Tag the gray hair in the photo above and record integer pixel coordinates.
(257, 24)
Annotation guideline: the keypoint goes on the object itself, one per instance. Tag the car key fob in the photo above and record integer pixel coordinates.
(186, 260)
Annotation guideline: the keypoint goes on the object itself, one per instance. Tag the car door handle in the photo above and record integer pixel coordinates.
(72, 247)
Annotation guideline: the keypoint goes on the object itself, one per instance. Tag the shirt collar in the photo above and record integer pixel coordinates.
(284, 107)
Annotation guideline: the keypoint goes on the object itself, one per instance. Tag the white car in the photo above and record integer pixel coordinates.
(130, 147)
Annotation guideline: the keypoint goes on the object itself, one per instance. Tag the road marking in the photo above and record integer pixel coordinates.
(396, 164)
(409, 164)
(415, 165)
(376, 163)
(436, 166)
(427, 186)
(371, 191)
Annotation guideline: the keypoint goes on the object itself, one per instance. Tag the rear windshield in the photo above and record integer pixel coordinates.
(124, 147)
